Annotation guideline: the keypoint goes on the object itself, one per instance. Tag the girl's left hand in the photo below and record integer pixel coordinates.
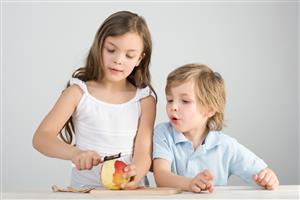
(130, 172)
(267, 179)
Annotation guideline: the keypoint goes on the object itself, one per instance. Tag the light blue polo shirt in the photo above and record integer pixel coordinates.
(220, 153)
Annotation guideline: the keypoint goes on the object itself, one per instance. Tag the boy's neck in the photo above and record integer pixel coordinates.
(197, 136)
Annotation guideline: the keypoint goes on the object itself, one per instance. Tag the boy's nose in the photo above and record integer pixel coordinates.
(174, 108)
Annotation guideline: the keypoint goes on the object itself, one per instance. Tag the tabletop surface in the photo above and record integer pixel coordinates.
(226, 192)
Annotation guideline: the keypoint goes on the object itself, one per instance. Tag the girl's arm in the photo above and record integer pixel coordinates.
(142, 152)
(45, 139)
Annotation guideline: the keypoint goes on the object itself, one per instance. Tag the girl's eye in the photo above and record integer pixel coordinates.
(185, 101)
(169, 100)
(110, 50)
(129, 56)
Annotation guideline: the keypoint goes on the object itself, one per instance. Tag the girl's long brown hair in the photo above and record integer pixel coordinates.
(116, 24)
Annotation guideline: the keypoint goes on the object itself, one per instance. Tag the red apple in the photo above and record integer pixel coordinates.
(112, 174)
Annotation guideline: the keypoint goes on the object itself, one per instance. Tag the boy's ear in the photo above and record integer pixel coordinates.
(210, 112)
(140, 59)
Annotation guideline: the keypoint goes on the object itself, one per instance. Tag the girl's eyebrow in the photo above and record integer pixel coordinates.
(117, 46)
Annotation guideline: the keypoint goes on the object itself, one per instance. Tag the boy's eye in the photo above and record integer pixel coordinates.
(185, 101)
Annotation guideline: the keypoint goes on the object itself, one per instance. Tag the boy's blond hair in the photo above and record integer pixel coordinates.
(209, 89)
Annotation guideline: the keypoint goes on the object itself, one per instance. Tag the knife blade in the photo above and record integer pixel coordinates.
(111, 157)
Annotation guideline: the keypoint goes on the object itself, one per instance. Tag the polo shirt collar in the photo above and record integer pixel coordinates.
(178, 136)
(212, 140)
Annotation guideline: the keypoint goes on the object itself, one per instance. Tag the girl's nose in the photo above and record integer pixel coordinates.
(118, 59)
(118, 62)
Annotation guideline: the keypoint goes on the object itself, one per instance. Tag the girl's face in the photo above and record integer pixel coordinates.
(183, 109)
(120, 55)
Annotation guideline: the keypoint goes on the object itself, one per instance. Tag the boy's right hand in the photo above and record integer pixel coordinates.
(201, 182)
(85, 159)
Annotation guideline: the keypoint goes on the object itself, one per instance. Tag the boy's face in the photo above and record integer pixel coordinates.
(184, 111)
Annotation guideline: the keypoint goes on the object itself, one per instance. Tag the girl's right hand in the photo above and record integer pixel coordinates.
(85, 159)
(201, 182)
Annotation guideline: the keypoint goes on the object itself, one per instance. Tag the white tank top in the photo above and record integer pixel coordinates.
(105, 128)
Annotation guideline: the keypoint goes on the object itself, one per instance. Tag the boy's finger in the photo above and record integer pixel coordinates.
(273, 182)
(210, 189)
(261, 175)
(255, 177)
(205, 181)
(266, 179)
(208, 174)
(195, 189)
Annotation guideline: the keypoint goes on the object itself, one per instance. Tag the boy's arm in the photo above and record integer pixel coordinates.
(165, 178)
(142, 152)
(267, 179)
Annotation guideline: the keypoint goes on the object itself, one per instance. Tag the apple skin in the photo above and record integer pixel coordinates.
(112, 174)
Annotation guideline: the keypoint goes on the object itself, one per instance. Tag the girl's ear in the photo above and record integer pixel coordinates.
(140, 59)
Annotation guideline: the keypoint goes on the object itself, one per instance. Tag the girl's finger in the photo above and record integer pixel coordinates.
(129, 168)
(129, 174)
(88, 163)
(82, 164)
(130, 185)
(96, 160)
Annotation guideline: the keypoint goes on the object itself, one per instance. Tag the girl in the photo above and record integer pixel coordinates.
(190, 152)
(109, 105)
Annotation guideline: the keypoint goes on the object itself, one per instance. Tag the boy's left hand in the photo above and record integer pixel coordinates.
(130, 172)
(267, 179)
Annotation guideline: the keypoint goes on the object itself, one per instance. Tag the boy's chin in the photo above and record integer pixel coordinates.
(177, 127)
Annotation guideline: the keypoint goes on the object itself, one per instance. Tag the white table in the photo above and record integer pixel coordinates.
(227, 192)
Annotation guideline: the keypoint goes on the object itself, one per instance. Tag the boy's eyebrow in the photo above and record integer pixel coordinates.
(117, 46)
(181, 94)
(185, 94)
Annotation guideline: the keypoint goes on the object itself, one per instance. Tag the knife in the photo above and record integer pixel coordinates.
(111, 157)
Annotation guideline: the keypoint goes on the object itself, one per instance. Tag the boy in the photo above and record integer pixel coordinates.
(190, 152)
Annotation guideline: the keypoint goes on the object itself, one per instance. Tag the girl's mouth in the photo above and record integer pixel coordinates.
(115, 71)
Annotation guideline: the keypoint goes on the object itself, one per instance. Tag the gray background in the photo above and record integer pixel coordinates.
(254, 45)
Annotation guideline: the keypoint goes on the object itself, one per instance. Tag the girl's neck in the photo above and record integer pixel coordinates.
(197, 136)
(119, 86)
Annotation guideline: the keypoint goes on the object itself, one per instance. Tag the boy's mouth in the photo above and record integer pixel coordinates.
(174, 119)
